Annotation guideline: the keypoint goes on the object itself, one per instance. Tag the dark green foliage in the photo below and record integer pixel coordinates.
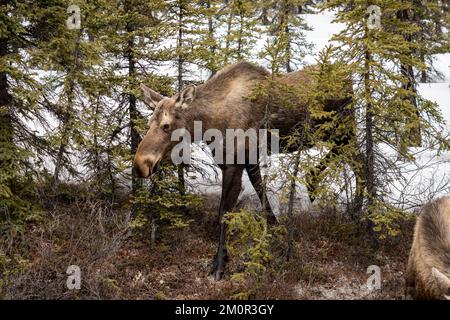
(256, 246)
(161, 199)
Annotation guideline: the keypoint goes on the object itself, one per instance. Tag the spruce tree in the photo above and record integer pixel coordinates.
(23, 29)
(286, 45)
(378, 54)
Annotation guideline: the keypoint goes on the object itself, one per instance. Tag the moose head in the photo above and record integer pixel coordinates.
(168, 115)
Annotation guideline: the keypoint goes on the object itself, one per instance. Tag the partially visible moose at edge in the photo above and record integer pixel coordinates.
(225, 102)
(428, 272)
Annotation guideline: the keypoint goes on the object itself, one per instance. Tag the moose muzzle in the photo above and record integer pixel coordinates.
(145, 165)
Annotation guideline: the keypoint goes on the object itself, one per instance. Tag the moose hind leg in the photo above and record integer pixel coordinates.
(231, 187)
(312, 177)
(254, 174)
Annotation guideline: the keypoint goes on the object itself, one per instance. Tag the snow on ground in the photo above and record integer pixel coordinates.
(429, 175)
(442, 64)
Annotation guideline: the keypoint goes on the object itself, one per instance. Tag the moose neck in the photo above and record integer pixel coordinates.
(200, 115)
(219, 102)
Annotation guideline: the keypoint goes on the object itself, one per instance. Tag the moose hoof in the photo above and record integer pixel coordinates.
(218, 275)
(216, 272)
(218, 265)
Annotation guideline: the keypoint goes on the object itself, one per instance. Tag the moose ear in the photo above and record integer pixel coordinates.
(443, 282)
(186, 96)
(150, 97)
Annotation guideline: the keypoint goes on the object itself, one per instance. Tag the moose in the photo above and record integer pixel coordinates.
(230, 99)
(428, 271)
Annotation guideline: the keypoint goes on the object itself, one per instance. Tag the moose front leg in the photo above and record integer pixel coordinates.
(231, 187)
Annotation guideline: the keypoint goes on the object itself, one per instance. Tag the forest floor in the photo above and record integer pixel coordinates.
(118, 261)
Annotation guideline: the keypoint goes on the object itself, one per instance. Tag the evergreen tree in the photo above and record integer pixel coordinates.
(286, 46)
(432, 39)
(129, 44)
(241, 26)
(378, 55)
(75, 86)
(23, 29)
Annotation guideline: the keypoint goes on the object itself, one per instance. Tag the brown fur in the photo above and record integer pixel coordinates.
(430, 249)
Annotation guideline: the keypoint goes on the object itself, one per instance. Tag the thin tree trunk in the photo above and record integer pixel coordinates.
(212, 65)
(6, 126)
(5, 97)
(180, 169)
(66, 129)
(370, 163)
(133, 112)
(180, 60)
(287, 32)
(370, 181)
(290, 213)
(407, 71)
(97, 164)
(228, 36)
(423, 73)
(241, 30)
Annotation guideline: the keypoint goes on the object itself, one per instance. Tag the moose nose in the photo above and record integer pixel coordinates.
(143, 166)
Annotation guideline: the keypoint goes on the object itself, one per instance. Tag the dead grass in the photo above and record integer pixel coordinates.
(119, 262)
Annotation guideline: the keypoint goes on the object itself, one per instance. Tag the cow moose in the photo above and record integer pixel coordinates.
(225, 101)
(428, 271)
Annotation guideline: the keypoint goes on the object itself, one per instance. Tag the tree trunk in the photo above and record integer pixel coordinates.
(228, 37)
(370, 163)
(6, 126)
(370, 181)
(132, 110)
(287, 31)
(290, 213)
(241, 30)
(212, 65)
(180, 61)
(407, 71)
(66, 129)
